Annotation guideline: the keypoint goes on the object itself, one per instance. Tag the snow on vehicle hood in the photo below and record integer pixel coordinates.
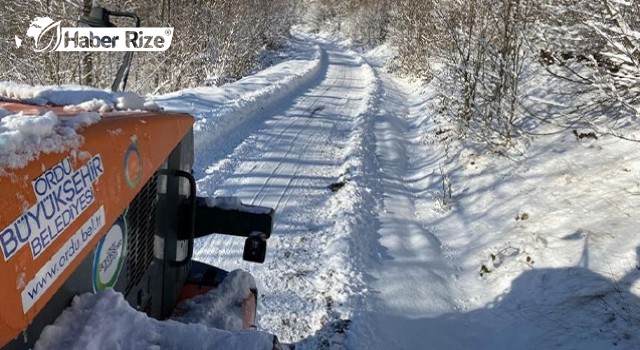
(76, 97)
(23, 137)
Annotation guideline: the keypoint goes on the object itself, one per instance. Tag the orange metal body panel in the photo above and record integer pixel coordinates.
(54, 211)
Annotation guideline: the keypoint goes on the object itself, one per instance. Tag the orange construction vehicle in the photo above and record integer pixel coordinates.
(119, 211)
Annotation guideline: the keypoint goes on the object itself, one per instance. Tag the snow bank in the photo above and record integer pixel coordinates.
(76, 98)
(222, 307)
(23, 137)
(106, 321)
(232, 108)
(543, 244)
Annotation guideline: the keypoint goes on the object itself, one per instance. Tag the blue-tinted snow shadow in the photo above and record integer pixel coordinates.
(568, 308)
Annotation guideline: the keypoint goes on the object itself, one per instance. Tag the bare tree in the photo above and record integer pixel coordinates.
(592, 48)
(215, 41)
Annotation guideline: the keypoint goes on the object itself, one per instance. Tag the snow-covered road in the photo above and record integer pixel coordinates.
(357, 256)
(394, 258)
(304, 145)
(391, 232)
(413, 277)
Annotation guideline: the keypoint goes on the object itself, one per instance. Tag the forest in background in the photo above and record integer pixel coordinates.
(504, 67)
(484, 57)
(215, 42)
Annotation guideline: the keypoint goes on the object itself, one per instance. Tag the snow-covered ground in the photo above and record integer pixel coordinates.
(393, 234)
(106, 321)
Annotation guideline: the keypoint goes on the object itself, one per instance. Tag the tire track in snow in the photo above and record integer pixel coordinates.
(293, 179)
(290, 150)
(411, 278)
(288, 162)
(351, 239)
(242, 137)
(223, 128)
(218, 173)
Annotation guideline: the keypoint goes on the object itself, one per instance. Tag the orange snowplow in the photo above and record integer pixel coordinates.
(116, 209)
(120, 211)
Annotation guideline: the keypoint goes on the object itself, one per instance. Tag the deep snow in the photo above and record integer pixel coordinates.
(425, 241)
(106, 321)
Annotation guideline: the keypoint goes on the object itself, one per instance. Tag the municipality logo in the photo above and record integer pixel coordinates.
(48, 36)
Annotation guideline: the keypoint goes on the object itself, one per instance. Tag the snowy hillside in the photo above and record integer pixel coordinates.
(391, 232)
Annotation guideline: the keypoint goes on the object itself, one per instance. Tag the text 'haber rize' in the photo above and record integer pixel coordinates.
(133, 40)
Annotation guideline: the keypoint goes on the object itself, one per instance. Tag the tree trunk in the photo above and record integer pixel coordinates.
(86, 69)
